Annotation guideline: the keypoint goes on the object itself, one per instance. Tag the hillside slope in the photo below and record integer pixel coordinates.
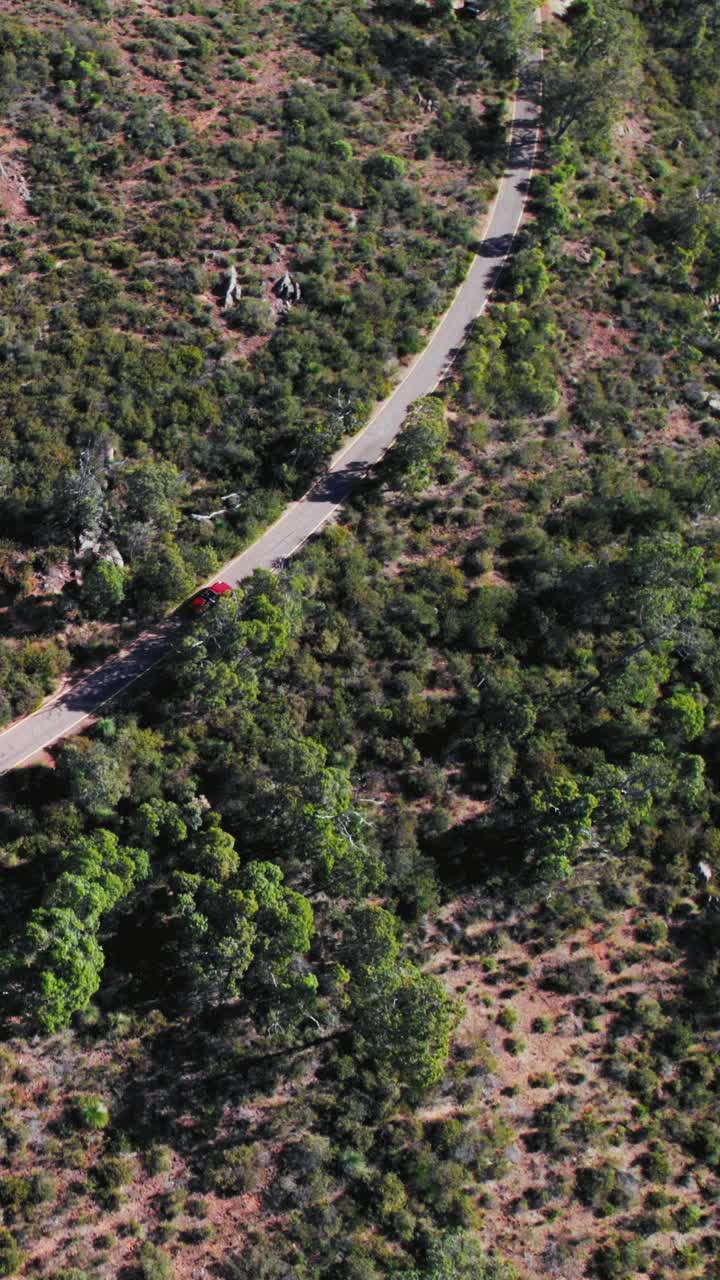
(159, 150)
(376, 935)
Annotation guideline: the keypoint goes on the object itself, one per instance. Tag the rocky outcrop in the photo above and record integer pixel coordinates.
(11, 175)
(287, 289)
(233, 291)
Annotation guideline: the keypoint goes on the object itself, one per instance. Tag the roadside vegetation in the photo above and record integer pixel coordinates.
(155, 154)
(377, 933)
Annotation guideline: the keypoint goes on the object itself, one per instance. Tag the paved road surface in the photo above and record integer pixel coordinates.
(58, 716)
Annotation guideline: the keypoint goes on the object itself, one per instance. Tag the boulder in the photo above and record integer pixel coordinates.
(287, 289)
(111, 552)
(233, 291)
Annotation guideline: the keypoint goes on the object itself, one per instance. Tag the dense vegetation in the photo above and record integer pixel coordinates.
(162, 147)
(378, 935)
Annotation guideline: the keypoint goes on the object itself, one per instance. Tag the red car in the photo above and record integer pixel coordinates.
(209, 596)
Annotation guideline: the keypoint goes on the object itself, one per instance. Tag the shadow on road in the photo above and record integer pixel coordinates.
(495, 247)
(101, 685)
(522, 144)
(335, 485)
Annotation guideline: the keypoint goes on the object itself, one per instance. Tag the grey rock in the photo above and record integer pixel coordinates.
(112, 553)
(288, 289)
(233, 292)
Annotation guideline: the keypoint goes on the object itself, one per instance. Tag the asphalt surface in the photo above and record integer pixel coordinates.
(72, 709)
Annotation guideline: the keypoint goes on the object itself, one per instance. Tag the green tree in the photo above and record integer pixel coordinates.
(103, 589)
(590, 76)
(508, 31)
(560, 822)
(60, 949)
(100, 860)
(161, 578)
(509, 362)
(659, 592)
(160, 819)
(68, 962)
(11, 1256)
(551, 200)
(96, 777)
(529, 276)
(245, 634)
(219, 934)
(215, 850)
(77, 506)
(403, 1017)
(420, 445)
(458, 1255)
(665, 583)
(337, 837)
(284, 918)
(371, 940)
(683, 714)
(405, 1020)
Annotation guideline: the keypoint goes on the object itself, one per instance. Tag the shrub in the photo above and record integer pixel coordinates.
(645, 1012)
(197, 1234)
(656, 1165)
(91, 1112)
(675, 1039)
(644, 1082)
(652, 930)
(508, 1018)
(172, 1203)
(14, 1195)
(575, 978)
(382, 165)
(617, 1260)
(604, 1188)
(657, 1199)
(552, 1121)
(153, 1263)
(19, 1195)
(687, 1217)
(688, 1258)
(11, 1258)
(109, 1175)
(705, 1143)
(446, 1134)
(514, 1045)
(43, 1188)
(587, 1128)
(236, 1169)
(158, 1159)
(542, 1080)
(254, 316)
(74, 1273)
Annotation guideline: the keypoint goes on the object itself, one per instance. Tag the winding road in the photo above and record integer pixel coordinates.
(75, 707)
